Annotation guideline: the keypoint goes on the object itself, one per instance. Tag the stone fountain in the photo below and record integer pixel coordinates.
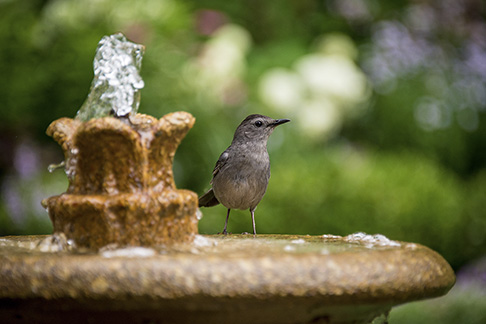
(121, 188)
(125, 246)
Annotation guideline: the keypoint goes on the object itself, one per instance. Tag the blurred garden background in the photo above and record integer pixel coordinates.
(387, 101)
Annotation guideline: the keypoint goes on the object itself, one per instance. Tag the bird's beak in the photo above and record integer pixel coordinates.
(277, 122)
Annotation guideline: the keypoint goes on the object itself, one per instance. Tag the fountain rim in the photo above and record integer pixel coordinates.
(388, 274)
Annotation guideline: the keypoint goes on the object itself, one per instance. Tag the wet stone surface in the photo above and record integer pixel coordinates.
(221, 279)
(121, 186)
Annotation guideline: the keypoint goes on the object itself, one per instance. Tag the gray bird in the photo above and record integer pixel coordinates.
(241, 175)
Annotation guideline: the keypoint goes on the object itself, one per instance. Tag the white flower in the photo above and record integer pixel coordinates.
(333, 76)
(319, 118)
(282, 89)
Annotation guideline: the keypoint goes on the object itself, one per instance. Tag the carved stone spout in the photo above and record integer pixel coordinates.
(121, 186)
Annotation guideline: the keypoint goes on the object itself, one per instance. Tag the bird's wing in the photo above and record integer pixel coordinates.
(223, 159)
(208, 199)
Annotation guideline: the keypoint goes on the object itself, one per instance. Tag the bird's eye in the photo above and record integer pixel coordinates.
(258, 123)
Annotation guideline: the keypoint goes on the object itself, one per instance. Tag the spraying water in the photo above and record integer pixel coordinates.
(115, 90)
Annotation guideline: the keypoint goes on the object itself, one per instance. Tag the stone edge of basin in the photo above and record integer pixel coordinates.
(392, 275)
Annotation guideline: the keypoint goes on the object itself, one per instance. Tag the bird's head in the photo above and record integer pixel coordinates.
(257, 127)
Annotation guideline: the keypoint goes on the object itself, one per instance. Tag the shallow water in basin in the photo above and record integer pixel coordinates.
(231, 245)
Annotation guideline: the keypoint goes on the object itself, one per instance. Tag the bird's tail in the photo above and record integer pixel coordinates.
(208, 199)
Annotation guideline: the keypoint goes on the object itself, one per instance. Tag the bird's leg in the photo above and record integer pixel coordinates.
(226, 223)
(252, 211)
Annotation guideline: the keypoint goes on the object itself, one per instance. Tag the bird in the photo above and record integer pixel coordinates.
(241, 175)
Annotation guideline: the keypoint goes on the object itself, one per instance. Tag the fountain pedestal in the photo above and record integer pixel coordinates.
(219, 279)
(121, 188)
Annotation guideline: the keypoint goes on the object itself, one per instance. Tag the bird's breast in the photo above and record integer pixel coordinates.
(242, 182)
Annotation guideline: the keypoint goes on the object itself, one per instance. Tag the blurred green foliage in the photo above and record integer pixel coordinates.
(405, 158)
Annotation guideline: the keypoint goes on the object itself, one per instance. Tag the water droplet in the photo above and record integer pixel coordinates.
(53, 167)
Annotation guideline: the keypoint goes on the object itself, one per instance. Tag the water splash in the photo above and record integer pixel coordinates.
(116, 85)
(71, 161)
(56, 242)
(201, 241)
(129, 252)
(370, 240)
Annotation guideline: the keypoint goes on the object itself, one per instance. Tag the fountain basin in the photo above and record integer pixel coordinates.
(219, 279)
